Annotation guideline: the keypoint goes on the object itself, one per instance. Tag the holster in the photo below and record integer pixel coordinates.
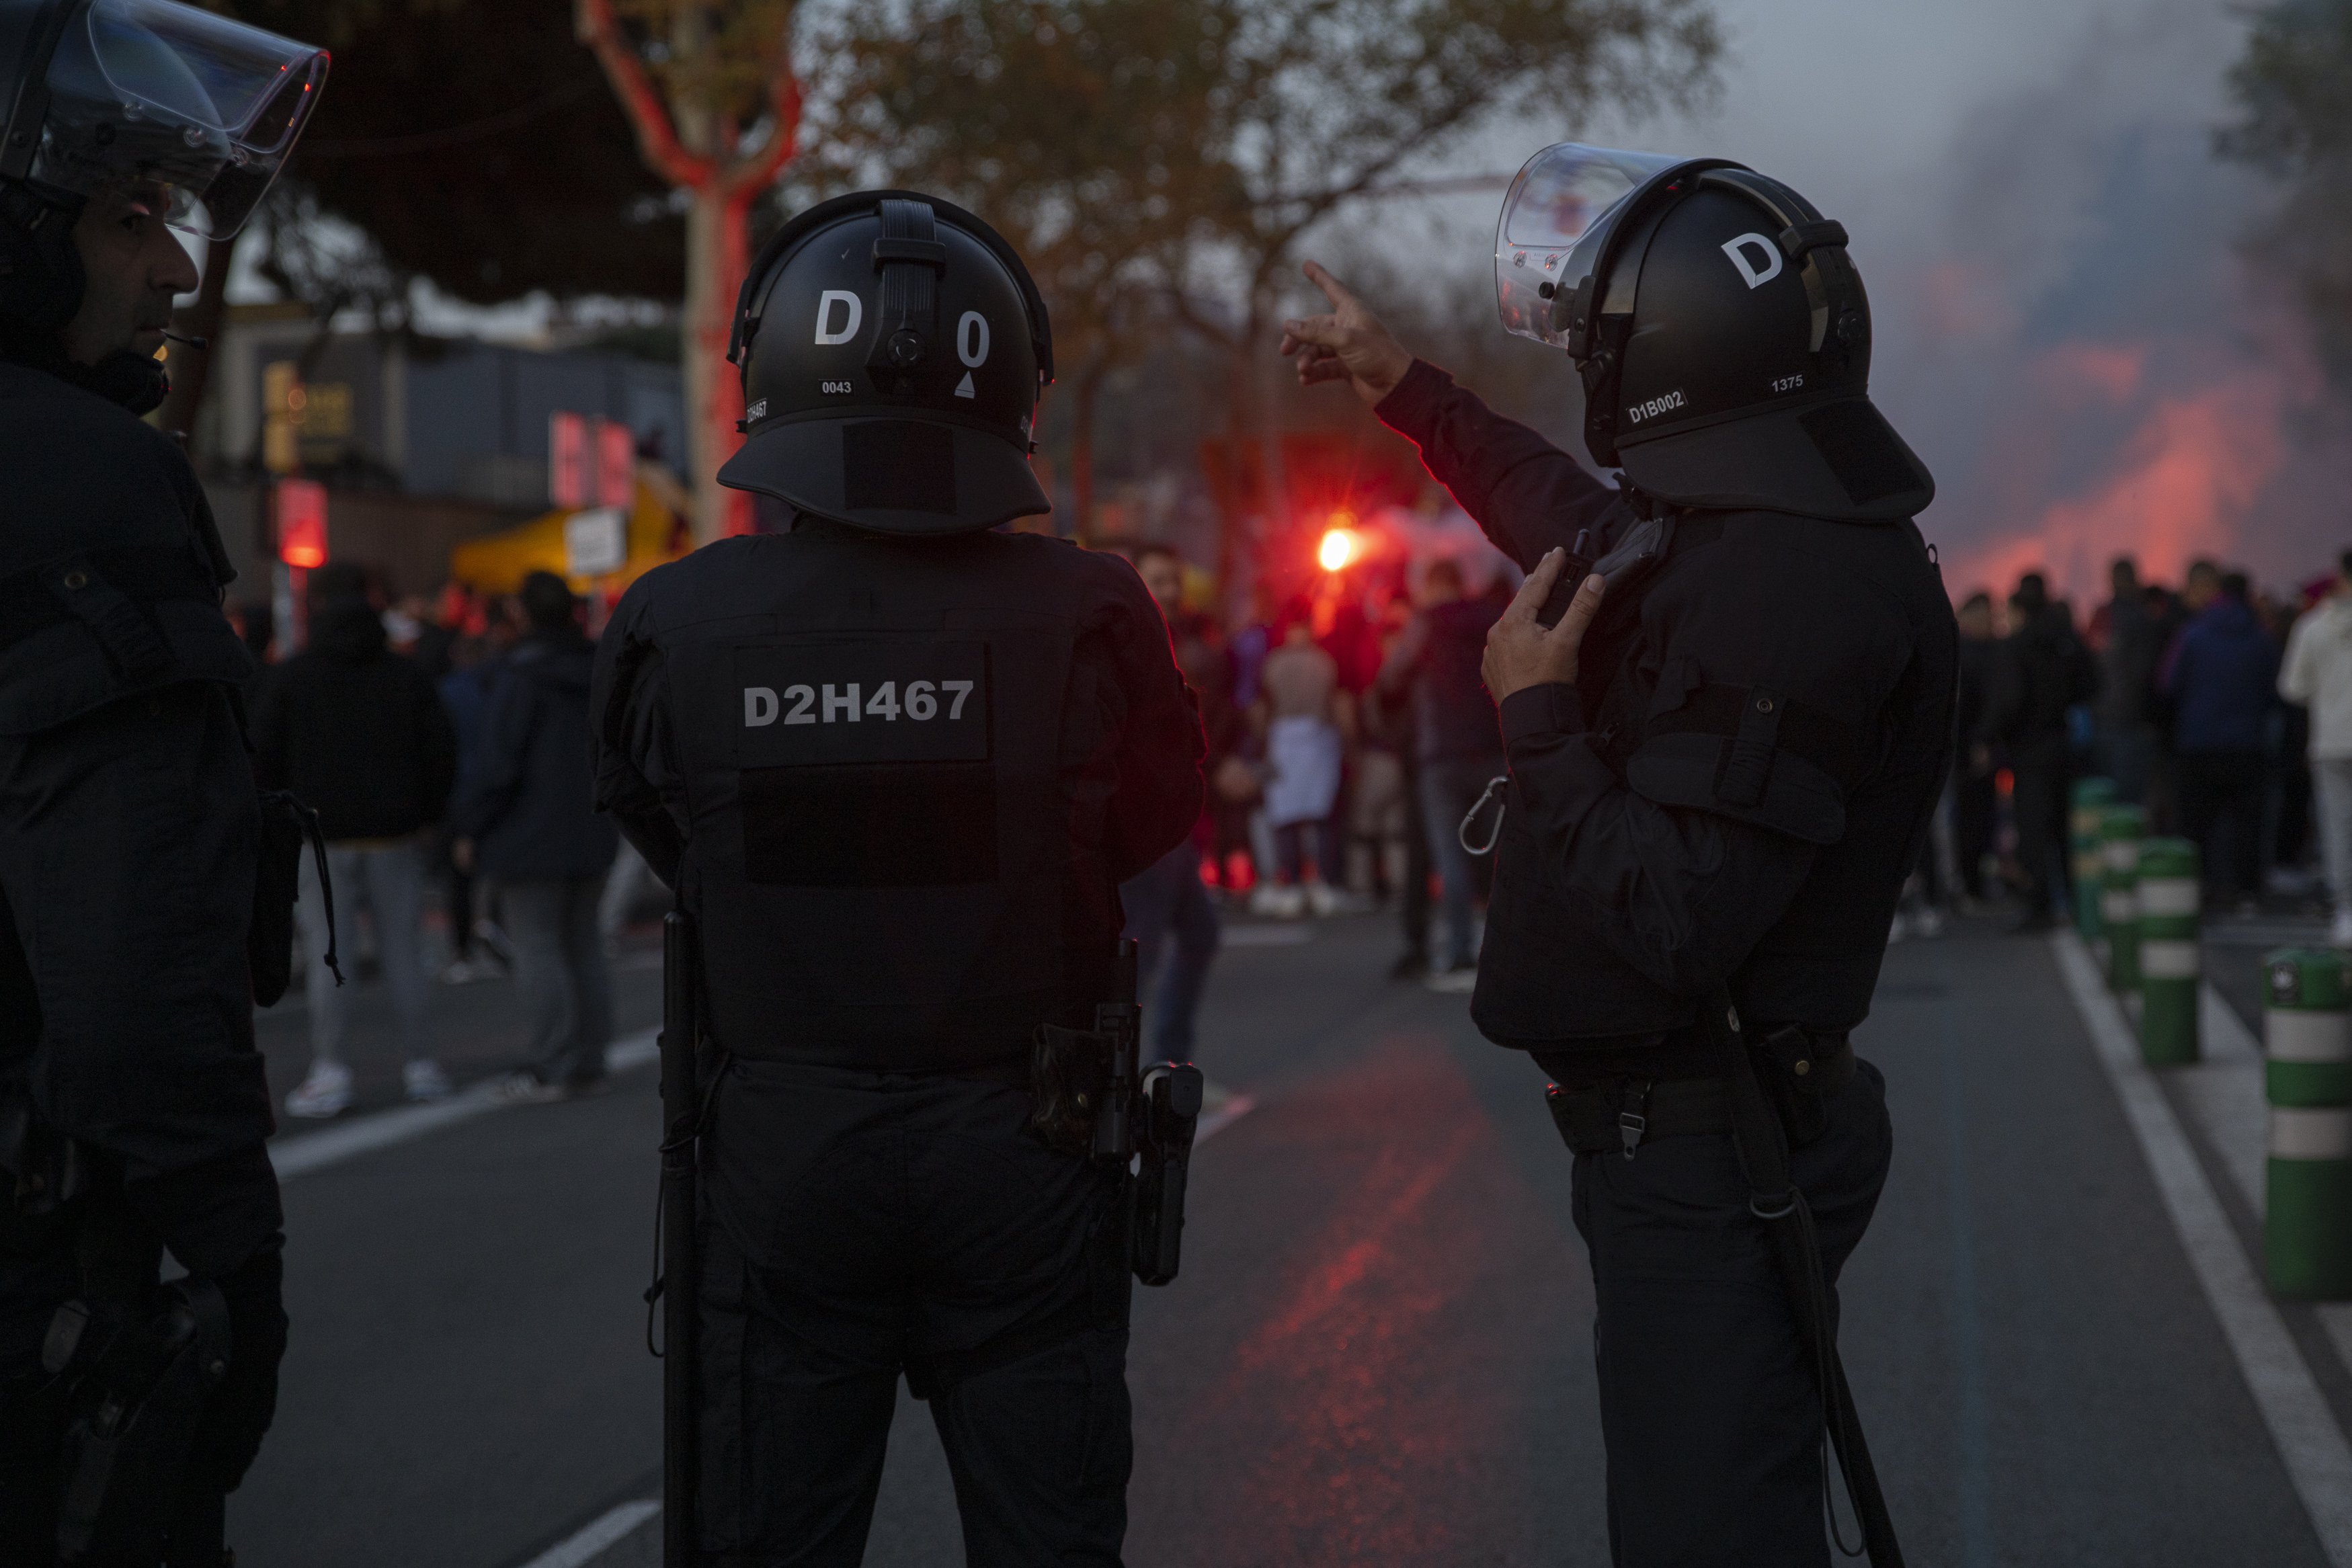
(1089, 1103)
(137, 1362)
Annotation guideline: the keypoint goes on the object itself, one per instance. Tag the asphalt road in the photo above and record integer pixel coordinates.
(1379, 1352)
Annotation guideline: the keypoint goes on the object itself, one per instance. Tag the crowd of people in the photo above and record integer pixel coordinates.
(444, 744)
(1350, 734)
(2226, 713)
(1350, 744)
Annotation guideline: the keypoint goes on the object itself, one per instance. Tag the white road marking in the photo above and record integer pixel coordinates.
(1268, 935)
(585, 1547)
(2311, 1445)
(307, 1151)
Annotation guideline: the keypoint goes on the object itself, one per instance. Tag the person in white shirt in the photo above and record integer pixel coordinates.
(2317, 674)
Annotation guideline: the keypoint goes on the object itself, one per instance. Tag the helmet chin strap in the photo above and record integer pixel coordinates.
(132, 381)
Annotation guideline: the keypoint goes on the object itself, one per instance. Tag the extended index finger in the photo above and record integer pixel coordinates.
(1333, 289)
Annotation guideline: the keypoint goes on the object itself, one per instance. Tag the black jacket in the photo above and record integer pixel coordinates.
(129, 832)
(2041, 670)
(528, 800)
(1437, 659)
(1737, 785)
(355, 730)
(898, 781)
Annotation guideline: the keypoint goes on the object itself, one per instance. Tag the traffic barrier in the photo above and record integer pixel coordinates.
(2307, 1228)
(2090, 799)
(2169, 960)
(2121, 828)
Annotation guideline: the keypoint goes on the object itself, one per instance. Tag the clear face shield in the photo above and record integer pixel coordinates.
(183, 111)
(1555, 219)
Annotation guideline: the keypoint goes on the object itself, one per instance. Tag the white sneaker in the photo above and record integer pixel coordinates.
(1929, 922)
(1320, 900)
(426, 1080)
(327, 1092)
(1290, 903)
(1265, 899)
(525, 1089)
(2339, 930)
(1455, 980)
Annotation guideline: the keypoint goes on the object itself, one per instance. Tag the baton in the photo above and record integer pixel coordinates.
(680, 1113)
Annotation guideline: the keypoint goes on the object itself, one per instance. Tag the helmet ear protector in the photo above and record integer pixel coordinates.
(1596, 317)
(890, 252)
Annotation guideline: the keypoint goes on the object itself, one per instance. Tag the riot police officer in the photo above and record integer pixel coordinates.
(133, 1104)
(896, 762)
(1724, 745)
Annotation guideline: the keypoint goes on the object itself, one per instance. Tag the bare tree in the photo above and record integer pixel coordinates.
(1187, 146)
(710, 87)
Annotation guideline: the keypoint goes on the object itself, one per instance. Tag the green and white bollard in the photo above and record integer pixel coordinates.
(2307, 1230)
(2121, 828)
(2170, 962)
(2090, 799)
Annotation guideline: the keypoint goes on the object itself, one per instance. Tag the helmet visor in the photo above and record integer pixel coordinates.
(1564, 194)
(177, 108)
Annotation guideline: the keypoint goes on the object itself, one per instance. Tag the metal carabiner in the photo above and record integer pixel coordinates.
(1493, 792)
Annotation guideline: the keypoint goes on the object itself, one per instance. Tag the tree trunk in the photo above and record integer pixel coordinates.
(191, 367)
(1089, 393)
(715, 260)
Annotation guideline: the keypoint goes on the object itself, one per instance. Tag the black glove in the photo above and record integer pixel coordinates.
(239, 1412)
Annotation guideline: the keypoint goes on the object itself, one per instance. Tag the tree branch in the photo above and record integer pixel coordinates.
(759, 169)
(656, 137)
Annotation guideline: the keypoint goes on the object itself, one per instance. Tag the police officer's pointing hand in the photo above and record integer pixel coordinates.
(1349, 344)
(1522, 652)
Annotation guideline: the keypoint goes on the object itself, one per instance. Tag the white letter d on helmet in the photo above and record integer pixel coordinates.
(1737, 250)
(826, 339)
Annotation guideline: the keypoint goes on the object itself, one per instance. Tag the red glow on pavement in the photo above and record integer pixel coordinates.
(1363, 1389)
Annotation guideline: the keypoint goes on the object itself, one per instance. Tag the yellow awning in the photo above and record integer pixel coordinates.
(497, 564)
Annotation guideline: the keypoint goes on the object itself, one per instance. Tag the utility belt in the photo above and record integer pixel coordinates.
(133, 1361)
(1801, 1072)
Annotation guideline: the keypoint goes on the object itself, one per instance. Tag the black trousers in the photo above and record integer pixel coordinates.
(2222, 810)
(2040, 773)
(1974, 808)
(37, 1277)
(1709, 1408)
(859, 1226)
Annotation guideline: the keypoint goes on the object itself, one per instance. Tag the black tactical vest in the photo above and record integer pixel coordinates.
(111, 566)
(893, 759)
(1815, 702)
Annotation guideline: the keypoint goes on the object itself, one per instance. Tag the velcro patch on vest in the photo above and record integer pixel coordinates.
(831, 704)
(920, 825)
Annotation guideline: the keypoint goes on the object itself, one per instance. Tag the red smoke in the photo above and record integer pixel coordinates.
(2185, 483)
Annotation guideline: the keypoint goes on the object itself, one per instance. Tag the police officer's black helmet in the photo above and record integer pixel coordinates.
(1721, 328)
(185, 111)
(893, 347)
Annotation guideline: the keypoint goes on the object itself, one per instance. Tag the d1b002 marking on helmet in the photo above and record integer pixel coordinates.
(1666, 402)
